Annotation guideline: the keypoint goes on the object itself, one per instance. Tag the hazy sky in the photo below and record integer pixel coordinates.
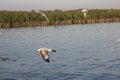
(58, 4)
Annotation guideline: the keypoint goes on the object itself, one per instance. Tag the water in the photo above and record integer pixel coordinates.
(84, 52)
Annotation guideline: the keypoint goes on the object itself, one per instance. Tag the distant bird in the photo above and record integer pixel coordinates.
(84, 11)
(44, 53)
(42, 15)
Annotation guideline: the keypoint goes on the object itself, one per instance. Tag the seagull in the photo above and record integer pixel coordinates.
(44, 53)
(44, 15)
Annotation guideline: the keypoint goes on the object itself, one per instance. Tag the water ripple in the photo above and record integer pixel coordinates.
(84, 52)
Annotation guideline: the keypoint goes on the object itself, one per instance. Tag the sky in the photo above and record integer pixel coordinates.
(58, 4)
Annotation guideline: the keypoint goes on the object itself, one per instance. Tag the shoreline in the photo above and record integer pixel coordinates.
(10, 19)
(65, 22)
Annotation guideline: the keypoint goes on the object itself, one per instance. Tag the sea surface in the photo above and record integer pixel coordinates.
(84, 52)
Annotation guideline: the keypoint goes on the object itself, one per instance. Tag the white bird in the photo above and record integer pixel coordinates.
(44, 53)
(42, 15)
(84, 11)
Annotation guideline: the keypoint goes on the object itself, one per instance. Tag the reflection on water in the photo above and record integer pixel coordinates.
(84, 52)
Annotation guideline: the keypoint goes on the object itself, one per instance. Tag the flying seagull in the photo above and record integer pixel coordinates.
(44, 53)
(42, 15)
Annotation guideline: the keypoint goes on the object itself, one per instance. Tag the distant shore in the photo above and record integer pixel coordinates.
(10, 19)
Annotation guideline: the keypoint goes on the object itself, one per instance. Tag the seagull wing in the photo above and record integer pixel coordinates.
(43, 15)
(46, 18)
(45, 56)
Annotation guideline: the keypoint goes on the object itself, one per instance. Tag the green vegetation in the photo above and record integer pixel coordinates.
(57, 17)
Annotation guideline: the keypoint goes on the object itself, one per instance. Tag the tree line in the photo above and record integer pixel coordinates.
(56, 17)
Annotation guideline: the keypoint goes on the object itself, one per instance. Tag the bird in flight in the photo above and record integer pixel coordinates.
(44, 53)
(43, 14)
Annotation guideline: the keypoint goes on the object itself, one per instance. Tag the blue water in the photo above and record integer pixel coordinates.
(84, 52)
